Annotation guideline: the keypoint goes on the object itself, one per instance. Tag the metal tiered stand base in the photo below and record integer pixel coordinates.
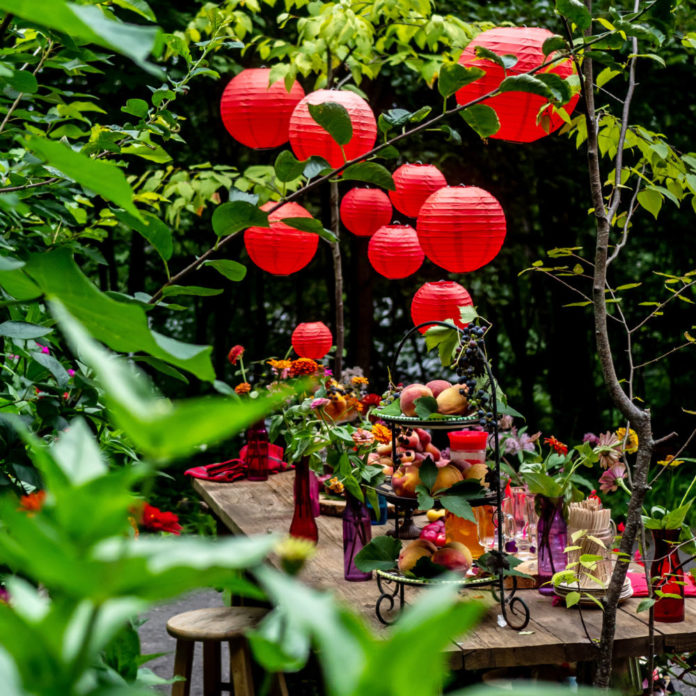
(392, 584)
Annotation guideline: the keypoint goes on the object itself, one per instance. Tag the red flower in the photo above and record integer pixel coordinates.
(33, 502)
(620, 527)
(556, 445)
(370, 400)
(235, 353)
(156, 520)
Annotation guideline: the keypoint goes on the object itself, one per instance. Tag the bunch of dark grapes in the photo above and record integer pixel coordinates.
(470, 366)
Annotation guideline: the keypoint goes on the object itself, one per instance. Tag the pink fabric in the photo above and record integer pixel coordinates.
(234, 469)
(640, 586)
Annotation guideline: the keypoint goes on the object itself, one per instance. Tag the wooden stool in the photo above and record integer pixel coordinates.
(211, 627)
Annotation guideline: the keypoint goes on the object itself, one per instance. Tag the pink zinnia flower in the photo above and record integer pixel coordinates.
(591, 438)
(608, 481)
(319, 403)
(608, 449)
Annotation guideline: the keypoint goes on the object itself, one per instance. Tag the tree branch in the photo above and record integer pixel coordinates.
(662, 305)
(23, 187)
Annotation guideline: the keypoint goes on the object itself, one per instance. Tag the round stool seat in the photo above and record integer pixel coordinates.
(217, 623)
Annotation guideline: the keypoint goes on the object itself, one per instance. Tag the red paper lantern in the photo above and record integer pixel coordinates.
(312, 340)
(308, 138)
(255, 114)
(439, 301)
(281, 249)
(414, 183)
(461, 228)
(365, 210)
(517, 111)
(394, 251)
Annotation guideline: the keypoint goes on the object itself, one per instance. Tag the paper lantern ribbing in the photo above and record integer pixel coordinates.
(312, 340)
(281, 249)
(461, 228)
(517, 111)
(394, 251)
(308, 138)
(365, 210)
(255, 114)
(414, 183)
(439, 301)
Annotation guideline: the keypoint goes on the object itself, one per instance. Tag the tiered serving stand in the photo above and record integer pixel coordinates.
(392, 584)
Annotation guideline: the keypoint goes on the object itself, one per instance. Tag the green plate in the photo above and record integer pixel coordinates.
(444, 423)
(396, 576)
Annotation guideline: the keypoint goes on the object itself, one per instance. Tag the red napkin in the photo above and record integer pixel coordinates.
(234, 469)
(640, 586)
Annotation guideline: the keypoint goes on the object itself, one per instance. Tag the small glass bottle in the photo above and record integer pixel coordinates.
(552, 533)
(667, 576)
(357, 532)
(257, 452)
(465, 532)
(303, 524)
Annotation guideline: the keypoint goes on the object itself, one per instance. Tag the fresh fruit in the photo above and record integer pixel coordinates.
(405, 479)
(409, 441)
(462, 465)
(411, 554)
(453, 401)
(478, 471)
(433, 532)
(424, 435)
(407, 400)
(384, 449)
(454, 556)
(446, 477)
(433, 515)
(437, 386)
(433, 451)
(440, 539)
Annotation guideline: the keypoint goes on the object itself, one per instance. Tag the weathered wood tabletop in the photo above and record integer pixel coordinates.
(554, 634)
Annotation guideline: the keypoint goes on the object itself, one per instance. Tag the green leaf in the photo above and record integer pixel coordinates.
(575, 11)
(77, 454)
(172, 290)
(651, 201)
(559, 87)
(7, 263)
(454, 76)
(23, 330)
(675, 518)
(334, 119)
(123, 327)
(53, 366)
(152, 229)
(425, 500)
(149, 419)
(506, 61)
(101, 177)
(552, 44)
(306, 224)
(483, 119)
(380, 554)
(288, 167)
(543, 484)
(428, 473)
(425, 407)
(458, 506)
(370, 173)
(572, 598)
(233, 217)
(135, 107)
(87, 23)
(232, 270)
(24, 81)
(526, 83)
(138, 6)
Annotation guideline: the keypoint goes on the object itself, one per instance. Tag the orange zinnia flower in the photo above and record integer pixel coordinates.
(382, 433)
(303, 366)
(243, 388)
(33, 502)
(556, 445)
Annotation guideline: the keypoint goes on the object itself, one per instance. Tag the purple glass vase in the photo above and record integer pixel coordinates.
(357, 531)
(551, 540)
(667, 576)
(303, 524)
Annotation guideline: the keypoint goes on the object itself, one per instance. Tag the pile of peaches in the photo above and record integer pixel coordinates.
(452, 399)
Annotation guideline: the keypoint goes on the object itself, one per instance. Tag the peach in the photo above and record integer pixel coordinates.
(433, 451)
(404, 481)
(384, 449)
(408, 397)
(416, 550)
(453, 556)
(410, 441)
(446, 477)
(437, 386)
(373, 458)
(424, 435)
(478, 471)
(453, 401)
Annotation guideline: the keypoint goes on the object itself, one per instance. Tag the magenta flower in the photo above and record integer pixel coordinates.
(608, 481)
(591, 438)
(71, 372)
(319, 403)
(44, 349)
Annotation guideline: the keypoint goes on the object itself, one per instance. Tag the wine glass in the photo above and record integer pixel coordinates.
(486, 526)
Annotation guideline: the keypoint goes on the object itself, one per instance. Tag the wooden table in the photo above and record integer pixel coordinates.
(554, 634)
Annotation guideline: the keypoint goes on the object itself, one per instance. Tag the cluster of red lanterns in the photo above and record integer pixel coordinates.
(458, 228)
(312, 340)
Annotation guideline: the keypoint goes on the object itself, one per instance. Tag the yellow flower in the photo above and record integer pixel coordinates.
(360, 380)
(382, 433)
(631, 442)
(294, 553)
(280, 364)
(669, 460)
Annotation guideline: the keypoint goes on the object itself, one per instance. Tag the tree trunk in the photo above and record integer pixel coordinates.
(338, 282)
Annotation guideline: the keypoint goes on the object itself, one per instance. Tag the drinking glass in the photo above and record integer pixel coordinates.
(485, 522)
